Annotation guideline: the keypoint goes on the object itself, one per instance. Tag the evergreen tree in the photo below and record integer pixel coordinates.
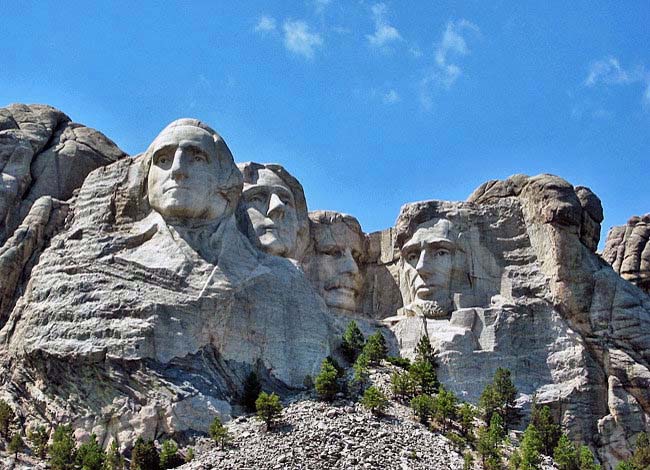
(6, 418)
(423, 405)
(468, 461)
(424, 352)
(219, 433)
(641, 457)
(514, 463)
(169, 456)
(402, 385)
(375, 349)
(497, 428)
(144, 455)
(549, 432)
(444, 407)
(353, 341)
(488, 402)
(565, 454)
(38, 438)
(90, 455)
(189, 455)
(340, 371)
(326, 384)
(269, 408)
(586, 460)
(16, 444)
(374, 400)
(466, 415)
(252, 389)
(625, 465)
(114, 459)
(63, 449)
(487, 445)
(531, 446)
(424, 377)
(360, 368)
(507, 394)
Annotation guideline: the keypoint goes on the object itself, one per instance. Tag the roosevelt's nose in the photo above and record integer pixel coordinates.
(177, 169)
(348, 263)
(276, 207)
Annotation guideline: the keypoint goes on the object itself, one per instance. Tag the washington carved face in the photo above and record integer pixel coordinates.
(426, 264)
(182, 181)
(271, 208)
(334, 268)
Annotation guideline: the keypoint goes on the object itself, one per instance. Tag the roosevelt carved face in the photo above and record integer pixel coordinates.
(334, 266)
(183, 177)
(426, 264)
(271, 207)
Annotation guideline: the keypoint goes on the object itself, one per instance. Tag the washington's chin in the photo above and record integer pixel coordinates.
(342, 298)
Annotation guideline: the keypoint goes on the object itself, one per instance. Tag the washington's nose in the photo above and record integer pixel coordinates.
(349, 263)
(178, 168)
(276, 206)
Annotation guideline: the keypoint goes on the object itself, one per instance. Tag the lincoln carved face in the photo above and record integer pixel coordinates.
(426, 264)
(183, 179)
(338, 245)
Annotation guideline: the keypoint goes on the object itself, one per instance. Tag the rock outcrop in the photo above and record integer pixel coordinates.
(628, 251)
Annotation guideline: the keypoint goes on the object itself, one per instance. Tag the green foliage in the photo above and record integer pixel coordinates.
(565, 454)
(466, 415)
(493, 462)
(444, 407)
(625, 465)
(402, 385)
(468, 461)
(531, 447)
(144, 455)
(326, 384)
(38, 438)
(424, 377)
(641, 457)
(401, 362)
(16, 444)
(374, 400)
(499, 397)
(514, 463)
(586, 459)
(269, 408)
(353, 342)
(63, 449)
(487, 445)
(90, 455)
(424, 352)
(169, 456)
(497, 427)
(549, 432)
(189, 455)
(457, 441)
(375, 349)
(423, 406)
(360, 368)
(252, 389)
(114, 459)
(6, 418)
(219, 433)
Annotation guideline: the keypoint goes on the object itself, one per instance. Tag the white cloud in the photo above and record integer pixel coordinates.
(384, 32)
(391, 97)
(299, 39)
(266, 24)
(452, 43)
(609, 71)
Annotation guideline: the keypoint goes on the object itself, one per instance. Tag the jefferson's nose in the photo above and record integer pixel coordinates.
(348, 264)
(276, 206)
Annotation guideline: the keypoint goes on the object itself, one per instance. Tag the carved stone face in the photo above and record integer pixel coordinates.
(182, 181)
(271, 208)
(426, 265)
(334, 268)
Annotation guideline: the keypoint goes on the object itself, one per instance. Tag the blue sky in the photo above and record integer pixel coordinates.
(370, 104)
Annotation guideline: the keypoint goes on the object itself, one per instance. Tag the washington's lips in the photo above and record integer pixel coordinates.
(176, 186)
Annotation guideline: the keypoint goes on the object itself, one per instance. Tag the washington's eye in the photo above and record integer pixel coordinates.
(442, 252)
(162, 159)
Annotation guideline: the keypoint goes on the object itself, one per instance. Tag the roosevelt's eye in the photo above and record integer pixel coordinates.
(255, 198)
(334, 251)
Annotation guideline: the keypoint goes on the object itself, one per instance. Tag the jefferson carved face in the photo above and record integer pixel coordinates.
(426, 265)
(334, 268)
(183, 177)
(271, 207)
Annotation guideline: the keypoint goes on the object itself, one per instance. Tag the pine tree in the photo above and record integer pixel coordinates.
(16, 444)
(325, 383)
(507, 394)
(641, 457)
(353, 341)
(423, 405)
(114, 459)
(549, 432)
(565, 454)
(424, 352)
(63, 449)
(514, 463)
(466, 415)
(269, 408)
(252, 389)
(361, 373)
(487, 445)
(468, 461)
(6, 418)
(169, 456)
(424, 377)
(340, 371)
(374, 400)
(531, 446)
(375, 349)
(38, 438)
(189, 455)
(402, 385)
(219, 433)
(444, 407)
(488, 402)
(90, 455)
(497, 428)
(586, 459)
(144, 455)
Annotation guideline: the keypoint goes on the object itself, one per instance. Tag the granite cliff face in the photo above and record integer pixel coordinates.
(628, 251)
(139, 305)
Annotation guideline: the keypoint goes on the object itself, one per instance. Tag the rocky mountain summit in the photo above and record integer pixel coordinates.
(628, 251)
(137, 294)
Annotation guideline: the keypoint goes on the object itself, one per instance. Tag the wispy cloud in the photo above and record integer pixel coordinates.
(384, 33)
(299, 39)
(391, 97)
(266, 24)
(321, 5)
(609, 71)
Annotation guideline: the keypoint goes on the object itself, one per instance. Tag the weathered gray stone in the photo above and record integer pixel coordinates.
(627, 250)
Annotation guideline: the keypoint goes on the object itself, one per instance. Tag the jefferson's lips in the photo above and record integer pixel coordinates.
(345, 290)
